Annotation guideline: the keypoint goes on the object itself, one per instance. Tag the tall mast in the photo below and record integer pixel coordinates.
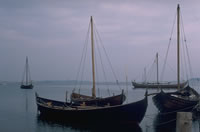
(178, 46)
(145, 76)
(157, 68)
(93, 66)
(26, 70)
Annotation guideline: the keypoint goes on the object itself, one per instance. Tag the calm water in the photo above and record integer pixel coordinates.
(18, 111)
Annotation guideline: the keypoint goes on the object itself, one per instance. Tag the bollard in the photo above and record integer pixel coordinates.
(184, 122)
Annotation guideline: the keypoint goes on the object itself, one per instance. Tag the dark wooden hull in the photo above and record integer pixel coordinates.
(26, 86)
(129, 113)
(167, 102)
(88, 100)
(158, 85)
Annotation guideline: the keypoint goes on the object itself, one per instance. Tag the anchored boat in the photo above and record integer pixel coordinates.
(26, 81)
(184, 99)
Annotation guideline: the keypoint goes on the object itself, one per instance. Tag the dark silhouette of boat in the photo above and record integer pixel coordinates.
(126, 113)
(26, 80)
(88, 100)
(78, 98)
(184, 99)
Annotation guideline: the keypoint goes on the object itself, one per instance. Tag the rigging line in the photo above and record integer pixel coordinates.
(79, 68)
(83, 69)
(149, 66)
(108, 59)
(103, 68)
(146, 67)
(96, 67)
(23, 76)
(183, 48)
(190, 67)
(182, 65)
(151, 70)
(185, 63)
(83, 56)
(169, 43)
(29, 74)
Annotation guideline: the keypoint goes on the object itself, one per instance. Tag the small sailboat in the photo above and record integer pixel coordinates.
(158, 84)
(93, 100)
(184, 99)
(26, 80)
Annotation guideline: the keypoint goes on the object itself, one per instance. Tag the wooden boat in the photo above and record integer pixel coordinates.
(26, 81)
(167, 85)
(93, 100)
(157, 84)
(183, 99)
(88, 100)
(126, 113)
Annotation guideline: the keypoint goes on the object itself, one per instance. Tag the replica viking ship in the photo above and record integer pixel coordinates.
(157, 84)
(26, 80)
(70, 112)
(184, 99)
(78, 98)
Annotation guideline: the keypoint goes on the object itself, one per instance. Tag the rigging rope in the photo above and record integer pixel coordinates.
(185, 42)
(185, 64)
(107, 57)
(82, 57)
(103, 69)
(162, 73)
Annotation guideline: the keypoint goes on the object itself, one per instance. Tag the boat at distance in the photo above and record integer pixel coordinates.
(26, 81)
(158, 84)
(167, 85)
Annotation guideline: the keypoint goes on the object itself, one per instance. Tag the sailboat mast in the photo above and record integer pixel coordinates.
(26, 70)
(145, 76)
(157, 68)
(178, 46)
(93, 66)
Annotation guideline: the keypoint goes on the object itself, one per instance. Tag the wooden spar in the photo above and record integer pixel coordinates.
(145, 76)
(157, 68)
(93, 66)
(178, 46)
(26, 70)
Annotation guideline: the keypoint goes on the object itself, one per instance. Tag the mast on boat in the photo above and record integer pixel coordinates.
(93, 63)
(178, 46)
(26, 70)
(157, 68)
(145, 76)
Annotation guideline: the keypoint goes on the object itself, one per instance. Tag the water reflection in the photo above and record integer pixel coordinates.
(86, 126)
(165, 123)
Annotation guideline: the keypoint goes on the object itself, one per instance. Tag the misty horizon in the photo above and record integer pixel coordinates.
(52, 34)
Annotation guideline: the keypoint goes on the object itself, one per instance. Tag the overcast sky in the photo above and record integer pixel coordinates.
(52, 34)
